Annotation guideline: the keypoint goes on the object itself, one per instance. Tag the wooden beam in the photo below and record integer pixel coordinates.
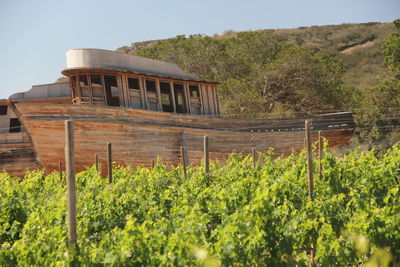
(89, 79)
(110, 166)
(158, 94)
(125, 89)
(187, 98)
(104, 89)
(70, 177)
(173, 95)
(60, 170)
(205, 99)
(96, 162)
(253, 155)
(309, 160)
(212, 100)
(320, 153)
(120, 92)
(216, 99)
(183, 159)
(143, 89)
(202, 111)
(206, 155)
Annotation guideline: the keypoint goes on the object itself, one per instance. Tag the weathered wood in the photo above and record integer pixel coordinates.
(60, 171)
(320, 153)
(183, 156)
(172, 89)
(158, 95)
(309, 160)
(253, 156)
(138, 135)
(204, 95)
(96, 161)
(16, 159)
(326, 122)
(70, 177)
(187, 98)
(142, 91)
(206, 155)
(110, 166)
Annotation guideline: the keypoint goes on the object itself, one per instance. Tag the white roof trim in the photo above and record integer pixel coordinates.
(105, 59)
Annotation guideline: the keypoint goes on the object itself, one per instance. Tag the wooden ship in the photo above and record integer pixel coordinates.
(146, 109)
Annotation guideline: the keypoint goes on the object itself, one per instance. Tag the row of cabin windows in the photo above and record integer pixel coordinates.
(89, 89)
(104, 89)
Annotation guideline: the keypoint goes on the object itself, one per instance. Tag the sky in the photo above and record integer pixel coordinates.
(35, 34)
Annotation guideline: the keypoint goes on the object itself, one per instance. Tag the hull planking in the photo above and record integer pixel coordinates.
(140, 136)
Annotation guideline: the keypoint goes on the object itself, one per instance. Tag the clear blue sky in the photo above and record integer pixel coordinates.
(36, 33)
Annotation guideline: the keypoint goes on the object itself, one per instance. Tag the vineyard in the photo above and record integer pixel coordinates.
(237, 214)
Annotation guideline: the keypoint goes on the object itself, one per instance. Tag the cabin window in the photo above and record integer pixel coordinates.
(73, 81)
(112, 90)
(151, 86)
(83, 81)
(85, 89)
(135, 93)
(180, 102)
(74, 90)
(3, 110)
(15, 125)
(97, 89)
(134, 83)
(166, 97)
(151, 92)
(194, 91)
(195, 102)
(96, 80)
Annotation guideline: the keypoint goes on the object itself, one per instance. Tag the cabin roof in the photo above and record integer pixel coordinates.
(89, 58)
(44, 91)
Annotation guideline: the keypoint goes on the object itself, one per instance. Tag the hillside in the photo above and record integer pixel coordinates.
(358, 45)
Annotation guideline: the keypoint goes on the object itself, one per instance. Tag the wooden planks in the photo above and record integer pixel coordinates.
(17, 158)
(57, 112)
(139, 136)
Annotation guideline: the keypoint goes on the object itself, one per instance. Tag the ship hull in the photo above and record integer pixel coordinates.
(138, 137)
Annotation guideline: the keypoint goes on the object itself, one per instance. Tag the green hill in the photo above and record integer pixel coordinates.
(358, 45)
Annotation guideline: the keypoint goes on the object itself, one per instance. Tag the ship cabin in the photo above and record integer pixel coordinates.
(108, 78)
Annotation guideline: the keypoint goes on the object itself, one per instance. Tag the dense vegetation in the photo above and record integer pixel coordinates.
(294, 72)
(238, 215)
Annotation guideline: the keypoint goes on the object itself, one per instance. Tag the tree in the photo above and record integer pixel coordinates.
(297, 82)
(391, 49)
(380, 109)
(260, 76)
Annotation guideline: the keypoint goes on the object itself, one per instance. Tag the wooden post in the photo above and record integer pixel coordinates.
(183, 157)
(253, 155)
(309, 160)
(320, 153)
(70, 175)
(60, 170)
(110, 167)
(96, 161)
(206, 156)
(153, 163)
